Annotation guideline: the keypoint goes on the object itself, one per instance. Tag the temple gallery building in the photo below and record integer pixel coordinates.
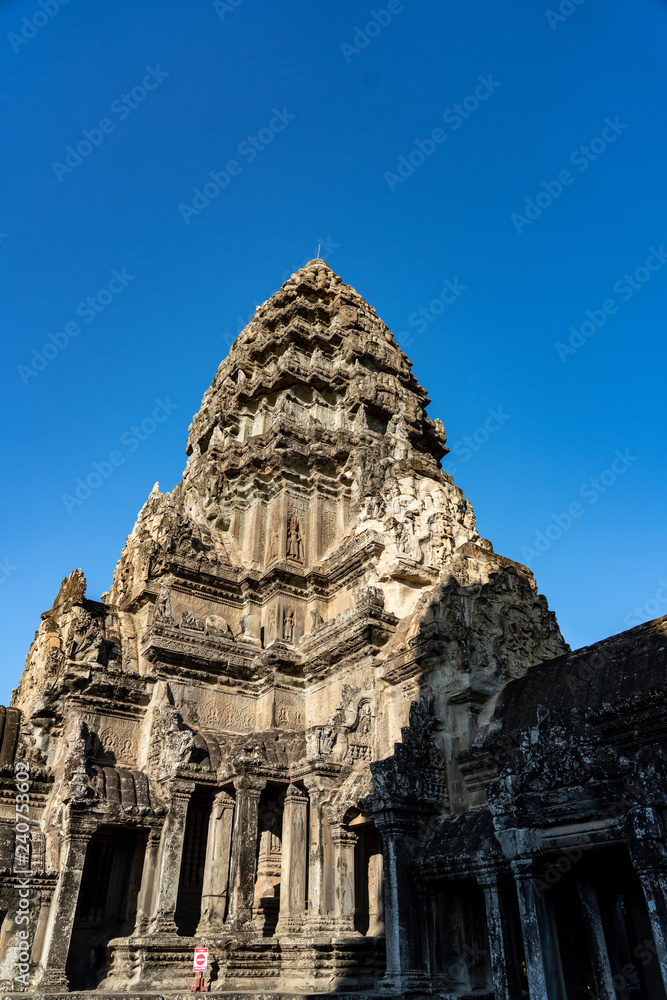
(318, 726)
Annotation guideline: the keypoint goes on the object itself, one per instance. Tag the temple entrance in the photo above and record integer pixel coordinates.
(615, 938)
(191, 883)
(368, 879)
(107, 903)
(266, 902)
(461, 954)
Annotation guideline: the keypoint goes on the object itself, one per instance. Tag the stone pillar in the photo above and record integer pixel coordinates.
(41, 925)
(294, 859)
(375, 896)
(505, 978)
(134, 880)
(15, 958)
(597, 946)
(344, 843)
(53, 978)
(545, 981)
(401, 930)
(171, 856)
(216, 870)
(651, 868)
(145, 899)
(243, 865)
(318, 788)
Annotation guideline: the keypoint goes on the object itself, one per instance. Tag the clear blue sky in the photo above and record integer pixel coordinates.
(335, 113)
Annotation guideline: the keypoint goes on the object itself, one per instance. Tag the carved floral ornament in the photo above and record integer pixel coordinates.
(121, 741)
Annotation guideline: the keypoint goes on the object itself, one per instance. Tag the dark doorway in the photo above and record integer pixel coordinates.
(368, 879)
(461, 954)
(570, 932)
(626, 928)
(266, 903)
(107, 905)
(191, 883)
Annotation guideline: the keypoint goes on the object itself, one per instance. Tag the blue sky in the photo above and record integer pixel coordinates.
(534, 200)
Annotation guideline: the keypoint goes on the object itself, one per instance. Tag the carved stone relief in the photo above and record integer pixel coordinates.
(163, 610)
(288, 625)
(294, 548)
(188, 620)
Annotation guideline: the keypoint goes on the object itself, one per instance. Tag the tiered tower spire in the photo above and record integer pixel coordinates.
(313, 433)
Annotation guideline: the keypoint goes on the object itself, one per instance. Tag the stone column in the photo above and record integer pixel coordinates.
(171, 856)
(130, 911)
(294, 859)
(145, 899)
(375, 896)
(651, 868)
(505, 979)
(53, 978)
(540, 947)
(401, 930)
(216, 870)
(243, 865)
(597, 946)
(318, 788)
(9, 952)
(344, 843)
(41, 925)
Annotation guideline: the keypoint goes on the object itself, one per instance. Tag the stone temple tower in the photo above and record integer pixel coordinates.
(211, 746)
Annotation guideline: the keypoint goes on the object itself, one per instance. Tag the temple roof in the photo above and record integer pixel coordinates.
(316, 355)
(632, 664)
